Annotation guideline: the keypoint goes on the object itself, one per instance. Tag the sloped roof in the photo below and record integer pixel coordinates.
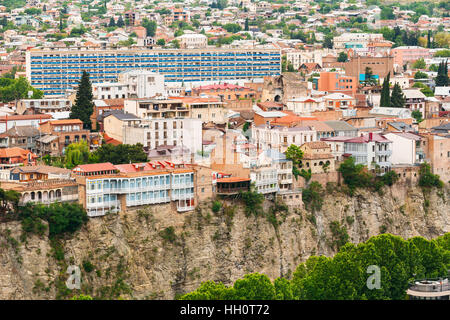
(340, 125)
(94, 167)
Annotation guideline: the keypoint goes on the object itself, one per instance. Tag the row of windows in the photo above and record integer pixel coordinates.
(140, 182)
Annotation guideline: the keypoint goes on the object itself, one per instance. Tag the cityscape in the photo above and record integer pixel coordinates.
(224, 150)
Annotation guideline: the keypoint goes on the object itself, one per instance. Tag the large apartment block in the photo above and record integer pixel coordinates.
(54, 71)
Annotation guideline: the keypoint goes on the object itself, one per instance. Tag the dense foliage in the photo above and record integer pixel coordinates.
(345, 275)
(16, 89)
(427, 179)
(62, 218)
(121, 154)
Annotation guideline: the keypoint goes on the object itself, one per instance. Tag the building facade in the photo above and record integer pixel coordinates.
(134, 185)
(54, 71)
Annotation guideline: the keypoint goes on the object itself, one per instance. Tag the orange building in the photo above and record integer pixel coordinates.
(13, 157)
(66, 132)
(335, 82)
(236, 97)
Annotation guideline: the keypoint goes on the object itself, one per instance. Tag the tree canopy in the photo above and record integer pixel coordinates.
(345, 275)
(120, 154)
(16, 89)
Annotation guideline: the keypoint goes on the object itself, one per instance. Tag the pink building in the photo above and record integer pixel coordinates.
(408, 54)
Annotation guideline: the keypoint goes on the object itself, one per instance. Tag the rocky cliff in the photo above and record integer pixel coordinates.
(154, 253)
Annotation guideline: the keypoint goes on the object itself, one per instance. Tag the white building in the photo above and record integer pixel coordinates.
(193, 41)
(157, 132)
(280, 138)
(305, 105)
(299, 57)
(143, 83)
(406, 148)
(110, 90)
(355, 40)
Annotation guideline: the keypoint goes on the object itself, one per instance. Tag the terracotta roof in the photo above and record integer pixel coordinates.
(66, 121)
(41, 169)
(232, 179)
(317, 145)
(25, 117)
(15, 152)
(95, 167)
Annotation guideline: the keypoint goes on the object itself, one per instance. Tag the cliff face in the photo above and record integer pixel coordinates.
(137, 255)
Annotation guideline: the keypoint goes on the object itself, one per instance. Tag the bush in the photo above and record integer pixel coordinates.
(88, 266)
(428, 179)
(390, 178)
(253, 202)
(168, 234)
(61, 217)
(217, 205)
(313, 196)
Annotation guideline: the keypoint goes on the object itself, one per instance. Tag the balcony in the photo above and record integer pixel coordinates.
(383, 152)
(185, 208)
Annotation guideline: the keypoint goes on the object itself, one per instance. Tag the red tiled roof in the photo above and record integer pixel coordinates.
(95, 167)
(15, 152)
(25, 117)
(368, 137)
(233, 179)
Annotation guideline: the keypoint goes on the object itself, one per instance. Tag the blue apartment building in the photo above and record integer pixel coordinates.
(55, 71)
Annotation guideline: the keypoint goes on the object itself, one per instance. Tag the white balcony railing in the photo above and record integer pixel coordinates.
(185, 208)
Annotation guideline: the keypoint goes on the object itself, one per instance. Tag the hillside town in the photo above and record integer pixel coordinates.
(120, 104)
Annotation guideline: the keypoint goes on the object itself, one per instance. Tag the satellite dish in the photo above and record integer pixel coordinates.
(30, 94)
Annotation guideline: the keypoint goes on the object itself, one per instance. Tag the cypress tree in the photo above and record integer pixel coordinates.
(397, 98)
(84, 106)
(112, 22)
(246, 24)
(385, 100)
(120, 22)
(441, 79)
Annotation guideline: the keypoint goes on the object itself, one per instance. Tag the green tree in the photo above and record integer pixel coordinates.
(16, 89)
(385, 99)
(312, 196)
(254, 286)
(78, 153)
(120, 23)
(416, 114)
(120, 154)
(343, 57)
(246, 25)
(176, 44)
(161, 42)
(328, 41)
(232, 27)
(84, 106)
(354, 175)
(427, 179)
(295, 154)
(420, 75)
(441, 79)
(419, 64)
(150, 26)
(112, 22)
(398, 99)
